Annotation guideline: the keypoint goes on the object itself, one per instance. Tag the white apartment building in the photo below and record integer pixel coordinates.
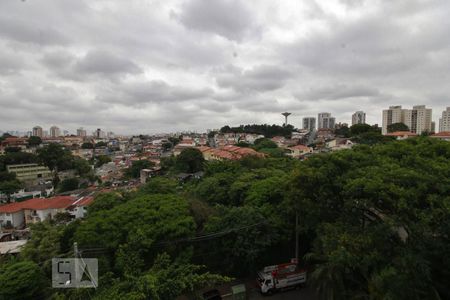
(309, 123)
(325, 121)
(444, 121)
(37, 131)
(320, 118)
(418, 119)
(359, 117)
(55, 131)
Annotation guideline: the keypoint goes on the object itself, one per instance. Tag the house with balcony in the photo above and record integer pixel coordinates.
(22, 214)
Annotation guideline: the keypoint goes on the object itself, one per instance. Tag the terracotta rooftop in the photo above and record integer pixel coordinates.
(38, 204)
(441, 134)
(402, 133)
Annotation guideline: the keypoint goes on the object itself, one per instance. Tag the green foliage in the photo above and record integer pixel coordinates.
(378, 215)
(81, 166)
(21, 280)
(165, 280)
(16, 158)
(69, 184)
(397, 127)
(174, 140)
(55, 157)
(134, 171)
(160, 185)
(9, 187)
(43, 245)
(268, 131)
(101, 144)
(264, 143)
(167, 146)
(13, 149)
(342, 131)
(101, 160)
(190, 160)
(34, 141)
(358, 129)
(105, 201)
(137, 226)
(87, 146)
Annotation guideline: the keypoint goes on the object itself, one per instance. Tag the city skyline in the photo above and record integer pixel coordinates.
(169, 66)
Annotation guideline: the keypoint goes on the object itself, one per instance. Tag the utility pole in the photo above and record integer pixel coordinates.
(75, 249)
(296, 236)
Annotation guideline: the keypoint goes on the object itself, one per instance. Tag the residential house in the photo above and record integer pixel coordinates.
(402, 135)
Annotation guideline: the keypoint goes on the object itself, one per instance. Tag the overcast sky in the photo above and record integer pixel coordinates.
(147, 66)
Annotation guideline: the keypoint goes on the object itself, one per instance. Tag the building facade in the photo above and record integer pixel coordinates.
(55, 131)
(418, 119)
(328, 123)
(81, 132)
(444, 121)
(359, 117)
(309, 123)
(30, 172)
(37, 131)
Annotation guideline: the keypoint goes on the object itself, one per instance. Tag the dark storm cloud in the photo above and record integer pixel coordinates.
(105, 63)
(260, 78)
(30, 31)
(151, 66)
(339, 92)
(141, 93)
(232, 19)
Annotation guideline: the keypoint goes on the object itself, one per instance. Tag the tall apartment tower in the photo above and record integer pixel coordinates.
(320, 118)
(81, 132)
(309, 123)
(395, 114)
(55, 132)
(418, 119)
(37, 131)
(359, 117)
(444, 121)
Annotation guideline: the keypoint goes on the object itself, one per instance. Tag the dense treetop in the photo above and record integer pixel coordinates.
(373, 224)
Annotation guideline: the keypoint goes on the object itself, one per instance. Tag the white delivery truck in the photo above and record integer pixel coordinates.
(279, 277)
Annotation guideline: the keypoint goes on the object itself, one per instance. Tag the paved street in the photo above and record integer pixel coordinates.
(302, 294)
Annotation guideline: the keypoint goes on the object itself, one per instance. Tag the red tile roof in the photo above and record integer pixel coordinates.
(38, 204)
(300, 147)
(84, 201)
(441, 134)
(402, 133)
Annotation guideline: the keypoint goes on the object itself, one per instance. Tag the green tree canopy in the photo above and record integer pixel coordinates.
(101, 160)
(34, 141)
(134, 171)
(69, 184)
(397, 127)
(87, 146)
(190, 160)
(21, 281)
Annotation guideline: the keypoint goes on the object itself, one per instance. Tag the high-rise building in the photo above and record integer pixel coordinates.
(444, 121)
(309, 123)
(320, 117)
(65, 132)
(328, 122)
(395, 114)
(81, 132)
(359, 117)
(55, 132)
(418, 119)
(99, 134)
(37, 131)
